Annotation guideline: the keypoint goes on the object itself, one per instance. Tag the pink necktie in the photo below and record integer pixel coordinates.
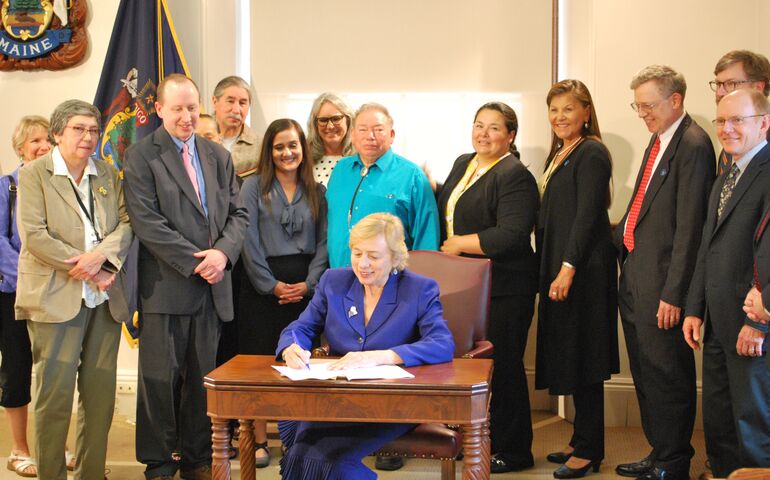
(190, 170)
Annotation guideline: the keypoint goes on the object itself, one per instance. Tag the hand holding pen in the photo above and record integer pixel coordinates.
(295, 356)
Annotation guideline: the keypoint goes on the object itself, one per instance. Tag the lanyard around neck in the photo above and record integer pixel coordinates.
(89, 212)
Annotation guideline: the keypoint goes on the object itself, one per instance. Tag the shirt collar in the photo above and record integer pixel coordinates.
(669, 133)
(190, 143)
(385, 161)
(60, 166)
(743, 163)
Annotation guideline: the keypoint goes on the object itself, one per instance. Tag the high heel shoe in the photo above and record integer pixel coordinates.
(558, 457)
(566, 472)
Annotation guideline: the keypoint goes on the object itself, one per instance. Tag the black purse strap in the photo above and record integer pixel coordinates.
(11, 204)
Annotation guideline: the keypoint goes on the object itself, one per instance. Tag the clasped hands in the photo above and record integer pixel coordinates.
(290, 293)
(88, 267)
(297, 357)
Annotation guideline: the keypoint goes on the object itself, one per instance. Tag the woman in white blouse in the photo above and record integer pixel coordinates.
(328, 134)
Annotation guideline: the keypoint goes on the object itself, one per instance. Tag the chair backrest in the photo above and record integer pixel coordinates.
(465, 286)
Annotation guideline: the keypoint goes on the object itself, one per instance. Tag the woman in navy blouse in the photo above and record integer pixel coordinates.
(375, 313)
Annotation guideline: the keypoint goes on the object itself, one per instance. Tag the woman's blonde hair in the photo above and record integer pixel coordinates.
(390, 227)
(24, 128)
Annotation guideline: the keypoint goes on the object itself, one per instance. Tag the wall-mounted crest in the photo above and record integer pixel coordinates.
(42, 34)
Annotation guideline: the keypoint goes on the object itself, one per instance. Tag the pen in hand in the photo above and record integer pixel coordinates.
(294, 338)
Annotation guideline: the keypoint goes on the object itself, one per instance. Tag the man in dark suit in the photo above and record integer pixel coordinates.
(736, 382)
(739, 69)
(181, 195)
(658, 238)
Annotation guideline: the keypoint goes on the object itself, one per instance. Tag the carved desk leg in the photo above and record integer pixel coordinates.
(220, 442)
(246, 444)
(476, 450)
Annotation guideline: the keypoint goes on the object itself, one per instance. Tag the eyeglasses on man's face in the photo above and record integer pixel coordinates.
(736, 122)
(728, 86)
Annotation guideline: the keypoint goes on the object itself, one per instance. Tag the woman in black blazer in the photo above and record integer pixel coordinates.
(488, 206)
(577, 342)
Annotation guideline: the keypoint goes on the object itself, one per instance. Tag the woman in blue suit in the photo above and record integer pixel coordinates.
(375, 313)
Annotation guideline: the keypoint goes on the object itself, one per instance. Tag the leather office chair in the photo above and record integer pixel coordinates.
(465, 285)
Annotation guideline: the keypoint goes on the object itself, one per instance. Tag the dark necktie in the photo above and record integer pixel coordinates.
(636, 206)
(727, 189)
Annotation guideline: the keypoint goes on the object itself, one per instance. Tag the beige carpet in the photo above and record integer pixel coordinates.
(551, 433)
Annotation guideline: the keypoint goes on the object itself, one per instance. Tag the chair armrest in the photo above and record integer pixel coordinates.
(320, 352)
(749, 474)
(483, 349)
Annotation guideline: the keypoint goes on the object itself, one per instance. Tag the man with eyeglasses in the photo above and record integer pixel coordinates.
(739, 69)
(658, 238)
(375, 179)
(232, 101)
(736, 382)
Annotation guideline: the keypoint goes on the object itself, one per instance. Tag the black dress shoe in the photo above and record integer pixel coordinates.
(388, 463)
(558, 457)
(658, 473)
(634, 469)
(567, 472)
(498, 464)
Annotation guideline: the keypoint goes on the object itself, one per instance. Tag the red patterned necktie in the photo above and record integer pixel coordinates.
(636, 206)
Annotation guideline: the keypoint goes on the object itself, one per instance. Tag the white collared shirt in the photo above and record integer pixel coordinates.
(92, 296)
(744, 161)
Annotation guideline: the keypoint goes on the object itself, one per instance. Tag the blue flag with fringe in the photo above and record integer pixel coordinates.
(143, 50)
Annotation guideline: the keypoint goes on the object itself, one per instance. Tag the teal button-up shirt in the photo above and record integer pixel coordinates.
(393, 185)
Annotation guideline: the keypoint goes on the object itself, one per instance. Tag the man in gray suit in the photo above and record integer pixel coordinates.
(658, 238)
(181, 191)
(736, 382)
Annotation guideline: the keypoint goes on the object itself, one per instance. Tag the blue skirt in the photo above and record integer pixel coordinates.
(333, 450)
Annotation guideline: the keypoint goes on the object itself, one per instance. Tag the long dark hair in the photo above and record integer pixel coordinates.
(266, 167)
(511, 122)
(590, 129)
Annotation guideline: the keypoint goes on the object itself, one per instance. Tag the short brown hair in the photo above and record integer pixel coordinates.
(755, 65)
(176, 78)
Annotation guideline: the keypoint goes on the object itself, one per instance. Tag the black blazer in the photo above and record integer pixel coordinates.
(725, 269)
(170, 224)
(501, 207)
(668, 229)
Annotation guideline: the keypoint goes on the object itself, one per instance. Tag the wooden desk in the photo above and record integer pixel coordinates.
(246, 388)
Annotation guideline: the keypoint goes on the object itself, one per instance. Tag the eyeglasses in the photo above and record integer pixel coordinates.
(335, 119)
(80, 130)
(643, 107)
(734, 121)
(376, 131)
(729, 85)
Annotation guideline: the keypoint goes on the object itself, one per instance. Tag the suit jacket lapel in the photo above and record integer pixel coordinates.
(172, 159)
(63, 186)
(451, 182)
(210, 179)
(664, 167)
(354, 307)
(744, 182)
(101, 189)
(386, 305)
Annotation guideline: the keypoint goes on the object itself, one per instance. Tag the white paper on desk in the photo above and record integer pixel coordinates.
(320, 371)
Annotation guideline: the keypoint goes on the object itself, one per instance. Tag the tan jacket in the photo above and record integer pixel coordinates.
(246, 153)
(52, 230)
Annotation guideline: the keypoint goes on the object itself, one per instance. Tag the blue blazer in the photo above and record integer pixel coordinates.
(9, 247)
(408, 318)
